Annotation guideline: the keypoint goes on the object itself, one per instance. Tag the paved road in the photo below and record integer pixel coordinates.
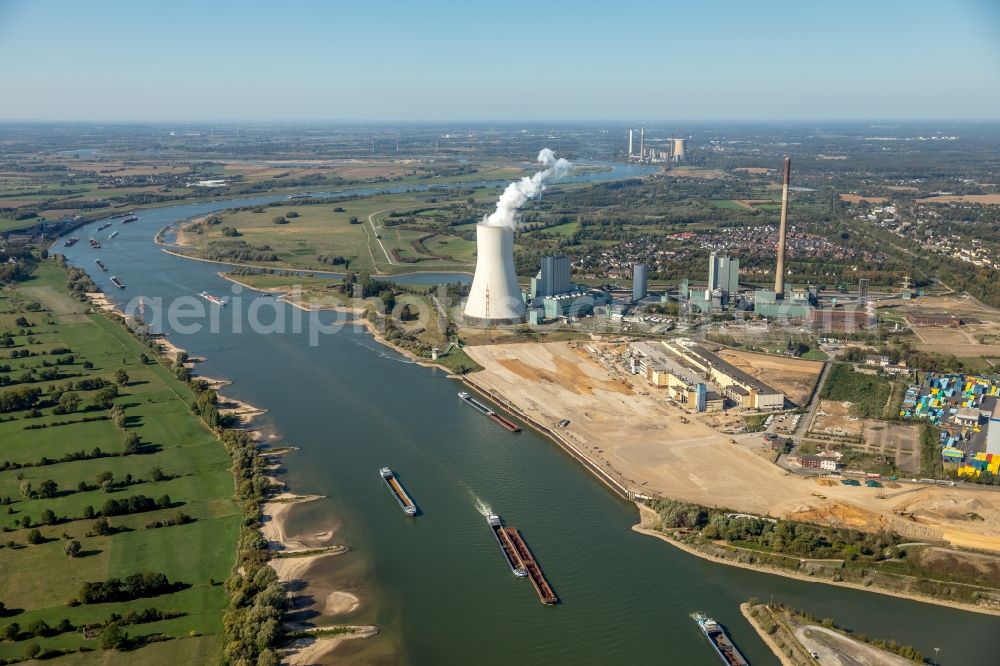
(807, 418)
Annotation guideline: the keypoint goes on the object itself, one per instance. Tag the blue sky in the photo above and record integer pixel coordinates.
(425, 61)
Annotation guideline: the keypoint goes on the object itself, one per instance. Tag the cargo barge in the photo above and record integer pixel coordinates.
(506, 546)
(392, 483)
(527, 561)
(486, 411)
(70, 242)
(113, 234)
(115, 280)
(213, 299)
(101, 265)
(129, 219)
(720, 642)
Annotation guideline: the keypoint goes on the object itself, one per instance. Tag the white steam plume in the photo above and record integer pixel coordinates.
(518, 192)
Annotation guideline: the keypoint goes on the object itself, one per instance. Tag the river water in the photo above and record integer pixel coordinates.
(438, 585)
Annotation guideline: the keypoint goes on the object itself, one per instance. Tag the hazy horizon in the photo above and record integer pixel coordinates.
(446, 62)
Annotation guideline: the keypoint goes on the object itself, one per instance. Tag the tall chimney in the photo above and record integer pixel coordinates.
(642, 142)
(779, 271)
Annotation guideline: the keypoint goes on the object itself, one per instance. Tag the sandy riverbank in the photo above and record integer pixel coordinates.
(648, 519)
(309, 651)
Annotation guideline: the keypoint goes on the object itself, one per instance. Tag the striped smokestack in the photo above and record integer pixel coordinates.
(779, 271)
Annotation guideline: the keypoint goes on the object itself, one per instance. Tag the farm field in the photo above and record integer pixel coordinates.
(70, 475)
(370, 244)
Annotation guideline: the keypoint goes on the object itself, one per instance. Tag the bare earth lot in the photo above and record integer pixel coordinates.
(641, 439)
(795, 377)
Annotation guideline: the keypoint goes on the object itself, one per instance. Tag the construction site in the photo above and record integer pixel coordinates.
(639, 440)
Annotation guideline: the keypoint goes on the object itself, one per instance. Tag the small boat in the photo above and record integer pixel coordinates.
(115, 280)
(213, 299)
(95, 244)
(720, 642)
(392, 483)
(100, 264)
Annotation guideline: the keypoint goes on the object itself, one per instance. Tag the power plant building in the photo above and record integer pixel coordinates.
(553, 278)
(640, 282)
(494, 297)
(723, 274)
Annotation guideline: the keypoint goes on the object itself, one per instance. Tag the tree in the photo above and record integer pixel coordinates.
(49, 517)
(39, 628)
(104, 398)
(101, 527)
(121, 377)
(35, 537)
(279, 220)
(26, 488)
(354, 220)
(33, 650)
(48, 489)
(131, 442)
(72, 548)
(69, 402)
(11, 631)
(113, 638)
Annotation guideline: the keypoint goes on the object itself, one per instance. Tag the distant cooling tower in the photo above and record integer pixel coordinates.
(495, 298)
(679, 150)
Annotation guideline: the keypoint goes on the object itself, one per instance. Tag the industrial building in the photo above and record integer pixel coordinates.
(675, 150)
(640, 282)
(723, 275)
(661, 371)
(552, 279)
(553, 296)
(744, 389)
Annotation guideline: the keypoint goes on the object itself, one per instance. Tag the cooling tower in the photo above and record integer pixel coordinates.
(494, 298)
(678, 150)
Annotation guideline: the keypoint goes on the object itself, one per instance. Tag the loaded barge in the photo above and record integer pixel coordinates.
(520, 559)
(506, 546)
(392, 483)
(720, 642)
(115, 280)
(502, 420)
(101, 265)
(130, 219)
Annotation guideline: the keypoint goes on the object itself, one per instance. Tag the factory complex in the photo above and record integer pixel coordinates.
(700, 379)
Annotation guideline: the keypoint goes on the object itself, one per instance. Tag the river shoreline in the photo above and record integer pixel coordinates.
(296, 557)
(764, 636)
(648, 518)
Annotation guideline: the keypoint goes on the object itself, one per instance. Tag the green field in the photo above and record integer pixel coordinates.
(372, 245)
(868, 393)
(39, 580)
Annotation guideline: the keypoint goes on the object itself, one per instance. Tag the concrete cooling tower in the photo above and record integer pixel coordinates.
(494, 299)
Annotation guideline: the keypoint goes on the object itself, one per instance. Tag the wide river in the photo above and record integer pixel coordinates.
(437, 584)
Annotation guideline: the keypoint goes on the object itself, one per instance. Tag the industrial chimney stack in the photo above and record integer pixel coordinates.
(779, 272)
